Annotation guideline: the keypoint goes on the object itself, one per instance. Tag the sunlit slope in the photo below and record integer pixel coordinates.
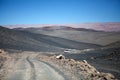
(80, 34)
(23, 40)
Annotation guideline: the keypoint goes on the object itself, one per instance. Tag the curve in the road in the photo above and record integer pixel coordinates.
(28, 68)
(33, 74)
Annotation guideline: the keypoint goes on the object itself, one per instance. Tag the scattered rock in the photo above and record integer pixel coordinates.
(78, 69)
(60, 57)
(2, 51)
(84, 61)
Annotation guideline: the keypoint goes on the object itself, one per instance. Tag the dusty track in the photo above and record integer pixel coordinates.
(27, 67)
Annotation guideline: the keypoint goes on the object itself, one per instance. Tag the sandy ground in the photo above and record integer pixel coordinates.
(26, 67)
(36, 66)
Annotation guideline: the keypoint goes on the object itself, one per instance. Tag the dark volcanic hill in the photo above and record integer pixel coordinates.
(24, 40)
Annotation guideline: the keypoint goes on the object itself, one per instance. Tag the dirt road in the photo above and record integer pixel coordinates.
(29, 68)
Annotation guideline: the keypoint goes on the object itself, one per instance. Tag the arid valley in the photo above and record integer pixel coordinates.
(60, 53)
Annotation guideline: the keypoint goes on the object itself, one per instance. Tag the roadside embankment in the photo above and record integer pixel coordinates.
(3, 58)
(76, 70)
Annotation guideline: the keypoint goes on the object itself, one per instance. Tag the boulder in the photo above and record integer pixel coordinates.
(2, 51)
(60, 57)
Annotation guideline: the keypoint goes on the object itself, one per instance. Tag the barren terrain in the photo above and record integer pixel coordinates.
(32, 54)
(36, 66)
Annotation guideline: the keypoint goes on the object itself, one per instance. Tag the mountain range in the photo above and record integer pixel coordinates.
(54, 38)
(100, 26)
(76, 34)
(25, 40)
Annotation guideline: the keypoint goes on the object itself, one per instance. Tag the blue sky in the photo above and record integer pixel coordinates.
(58, 11)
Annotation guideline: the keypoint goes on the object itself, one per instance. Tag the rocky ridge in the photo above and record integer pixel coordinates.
(77, 70)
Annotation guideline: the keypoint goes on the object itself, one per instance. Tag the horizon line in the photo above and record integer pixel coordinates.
(55, 23)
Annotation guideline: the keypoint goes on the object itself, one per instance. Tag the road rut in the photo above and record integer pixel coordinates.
(29, 68)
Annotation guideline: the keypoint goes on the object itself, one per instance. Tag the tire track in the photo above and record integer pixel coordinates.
(46, 72)
(29, 68)
(33, 74)
(56, 69)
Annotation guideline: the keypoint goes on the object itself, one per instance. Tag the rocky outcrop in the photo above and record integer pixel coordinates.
(77, 70)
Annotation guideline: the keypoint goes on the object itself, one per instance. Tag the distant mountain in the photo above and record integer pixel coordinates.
(76, 34)
(100, 26)
(66, 28)
(24, 40)
(52, 28)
